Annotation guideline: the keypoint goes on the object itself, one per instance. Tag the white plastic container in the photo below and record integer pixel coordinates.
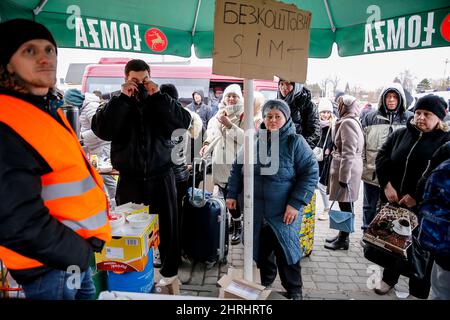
(139, 220)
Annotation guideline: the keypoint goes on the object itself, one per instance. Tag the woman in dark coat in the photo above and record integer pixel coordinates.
(282, 187)
(400, 164)
(327, 120)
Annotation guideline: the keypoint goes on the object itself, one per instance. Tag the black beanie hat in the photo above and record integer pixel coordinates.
(433, 104)
(170, 89)
(14, 33)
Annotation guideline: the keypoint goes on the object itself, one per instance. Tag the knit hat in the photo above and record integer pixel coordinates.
(325, 105)
(432, 103)
(16, 32)
(233, 88)
(348, 100)
(276, 104)
(74, 97)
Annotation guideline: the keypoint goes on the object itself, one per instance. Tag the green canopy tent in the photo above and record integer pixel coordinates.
(171, 27)
(130, 25)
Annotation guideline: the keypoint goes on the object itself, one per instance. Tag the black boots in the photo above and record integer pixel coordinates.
(236, 225)
(331, 239)
(341, 243)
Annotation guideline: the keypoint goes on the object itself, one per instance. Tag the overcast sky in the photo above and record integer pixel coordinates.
(367, 71)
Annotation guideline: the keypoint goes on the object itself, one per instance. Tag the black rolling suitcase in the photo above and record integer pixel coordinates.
(205, 224)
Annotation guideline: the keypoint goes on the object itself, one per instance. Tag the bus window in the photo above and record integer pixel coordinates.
(103, 84)
(186, 86)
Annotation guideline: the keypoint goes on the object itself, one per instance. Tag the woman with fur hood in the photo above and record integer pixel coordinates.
(225, 135)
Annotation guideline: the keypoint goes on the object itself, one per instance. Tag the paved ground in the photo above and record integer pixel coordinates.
(327, 274)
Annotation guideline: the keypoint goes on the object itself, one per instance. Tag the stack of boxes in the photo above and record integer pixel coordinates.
(128, 257)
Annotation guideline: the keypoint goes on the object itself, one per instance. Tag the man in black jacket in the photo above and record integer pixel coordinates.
(139, 123)
(32, 203)
(304, 112)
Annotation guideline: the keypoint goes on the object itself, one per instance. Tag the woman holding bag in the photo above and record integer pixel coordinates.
(401, 162)
(346, 165)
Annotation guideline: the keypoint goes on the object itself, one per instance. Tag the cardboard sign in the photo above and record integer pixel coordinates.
(257, 39)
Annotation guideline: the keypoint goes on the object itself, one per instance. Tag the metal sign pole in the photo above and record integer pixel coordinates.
(249, 128)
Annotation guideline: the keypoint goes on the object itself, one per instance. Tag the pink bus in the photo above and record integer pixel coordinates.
(108, 75)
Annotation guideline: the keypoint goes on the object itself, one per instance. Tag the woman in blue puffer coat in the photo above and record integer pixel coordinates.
(283, 184)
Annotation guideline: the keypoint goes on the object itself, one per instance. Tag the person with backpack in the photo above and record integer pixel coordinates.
(284, 183)
(434, 218)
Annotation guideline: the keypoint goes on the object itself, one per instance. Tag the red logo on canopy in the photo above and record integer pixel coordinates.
(445, 28)
(156, 40)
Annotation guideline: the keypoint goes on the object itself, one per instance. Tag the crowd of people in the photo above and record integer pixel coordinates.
(53, 208)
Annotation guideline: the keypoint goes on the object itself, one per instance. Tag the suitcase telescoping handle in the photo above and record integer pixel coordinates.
(203, 163)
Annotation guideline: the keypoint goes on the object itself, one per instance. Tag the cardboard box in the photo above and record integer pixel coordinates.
(382, 233)
(171, 287)
(128, 249)
(238, 288)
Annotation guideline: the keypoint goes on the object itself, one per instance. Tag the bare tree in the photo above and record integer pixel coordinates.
(316, 90)
(335, 82)
(407, 80)
(323, 85)
(440, 84)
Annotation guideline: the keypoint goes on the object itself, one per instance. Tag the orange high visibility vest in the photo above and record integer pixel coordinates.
(73, 190)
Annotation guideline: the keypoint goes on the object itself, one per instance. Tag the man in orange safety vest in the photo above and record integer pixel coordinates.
(53, 210)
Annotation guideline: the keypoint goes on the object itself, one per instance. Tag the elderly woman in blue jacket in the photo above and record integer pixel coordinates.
(285, 174)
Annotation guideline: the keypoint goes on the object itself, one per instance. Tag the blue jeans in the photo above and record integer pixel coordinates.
(59, 285)
(370, 204)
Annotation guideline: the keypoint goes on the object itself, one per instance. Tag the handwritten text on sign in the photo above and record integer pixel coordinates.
(260, 39)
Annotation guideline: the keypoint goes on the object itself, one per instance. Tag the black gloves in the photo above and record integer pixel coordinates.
(96, 244)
